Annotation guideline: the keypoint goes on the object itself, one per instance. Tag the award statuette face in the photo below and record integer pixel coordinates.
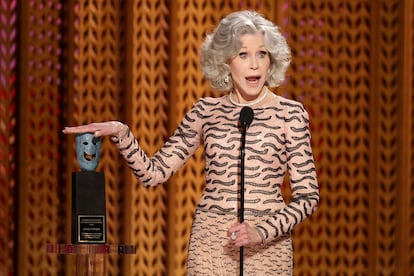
(88, 193)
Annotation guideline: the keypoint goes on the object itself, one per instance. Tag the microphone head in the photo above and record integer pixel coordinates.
(246, 116)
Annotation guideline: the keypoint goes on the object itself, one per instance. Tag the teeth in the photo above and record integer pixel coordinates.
(88, 157)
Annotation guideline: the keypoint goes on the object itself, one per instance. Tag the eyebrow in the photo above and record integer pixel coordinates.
(261, 46)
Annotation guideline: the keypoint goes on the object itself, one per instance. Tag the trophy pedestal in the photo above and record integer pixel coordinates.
(90, 258)
(88, 208)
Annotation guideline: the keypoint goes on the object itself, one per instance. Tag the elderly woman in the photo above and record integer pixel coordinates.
(244, 56)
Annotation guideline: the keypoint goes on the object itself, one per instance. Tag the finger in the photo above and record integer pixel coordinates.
(241, 229)
(235, 227)
(231, 230)
(99, 133)
(79, 129)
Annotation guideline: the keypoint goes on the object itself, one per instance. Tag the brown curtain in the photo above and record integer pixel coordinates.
(74, 62)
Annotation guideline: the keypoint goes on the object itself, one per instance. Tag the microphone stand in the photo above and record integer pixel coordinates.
(241, 212)
(246, 117)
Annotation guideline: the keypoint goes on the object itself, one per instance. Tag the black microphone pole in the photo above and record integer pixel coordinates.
(246, 117)
(241, 214)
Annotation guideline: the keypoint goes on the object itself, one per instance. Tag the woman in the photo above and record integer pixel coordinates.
(244, 56)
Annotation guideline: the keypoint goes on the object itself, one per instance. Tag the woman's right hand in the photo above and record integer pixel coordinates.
(109, 128)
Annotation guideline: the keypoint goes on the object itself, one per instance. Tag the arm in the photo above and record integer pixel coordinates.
(303, 181)
(163, 164)
(158, 168)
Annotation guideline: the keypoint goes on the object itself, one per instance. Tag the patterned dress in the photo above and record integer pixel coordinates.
(277, 143)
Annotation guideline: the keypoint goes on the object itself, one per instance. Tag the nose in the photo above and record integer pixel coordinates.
(253, 63)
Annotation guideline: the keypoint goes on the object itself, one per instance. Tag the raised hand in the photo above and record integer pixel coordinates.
(109, 128)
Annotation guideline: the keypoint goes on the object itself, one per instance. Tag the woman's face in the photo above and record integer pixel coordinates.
(249, 67)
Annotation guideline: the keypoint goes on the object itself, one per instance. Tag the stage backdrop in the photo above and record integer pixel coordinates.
(75, 62)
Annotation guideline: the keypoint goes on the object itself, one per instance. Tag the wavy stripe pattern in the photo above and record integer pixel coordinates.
(277, 143)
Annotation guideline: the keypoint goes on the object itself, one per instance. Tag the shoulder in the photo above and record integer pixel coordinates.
(288, 104)
(206, 107)
(291, 109)
(212, 101)
(208, 103)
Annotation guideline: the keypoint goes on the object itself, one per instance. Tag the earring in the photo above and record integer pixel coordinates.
(227, 79)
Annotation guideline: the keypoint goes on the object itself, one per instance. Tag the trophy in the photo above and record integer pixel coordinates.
(88, 193)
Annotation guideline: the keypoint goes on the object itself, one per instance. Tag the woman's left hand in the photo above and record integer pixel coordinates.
(242, 234)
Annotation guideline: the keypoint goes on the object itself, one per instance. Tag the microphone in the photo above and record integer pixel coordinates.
(246, 116)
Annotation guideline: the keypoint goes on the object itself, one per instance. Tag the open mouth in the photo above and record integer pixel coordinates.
(253, 79)
(89, 157)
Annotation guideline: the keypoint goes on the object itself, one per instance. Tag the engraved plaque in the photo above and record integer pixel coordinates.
(88, 207)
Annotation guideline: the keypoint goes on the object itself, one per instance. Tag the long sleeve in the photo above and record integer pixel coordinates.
(163, 164)
(302, 173)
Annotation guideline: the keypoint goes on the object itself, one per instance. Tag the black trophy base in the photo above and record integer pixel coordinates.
(88, 208)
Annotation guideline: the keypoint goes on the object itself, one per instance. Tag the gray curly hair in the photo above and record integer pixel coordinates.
(224, 43)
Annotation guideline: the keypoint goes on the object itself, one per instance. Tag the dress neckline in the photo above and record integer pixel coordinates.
(250, 103)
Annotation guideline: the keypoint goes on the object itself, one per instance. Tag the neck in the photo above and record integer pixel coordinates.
(248, 103)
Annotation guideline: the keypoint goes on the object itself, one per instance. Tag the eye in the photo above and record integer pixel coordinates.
(262, 54)
(243, 55)
(85, 143)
